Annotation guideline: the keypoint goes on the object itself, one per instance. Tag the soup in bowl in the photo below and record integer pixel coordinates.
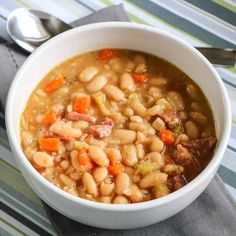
(110, 120)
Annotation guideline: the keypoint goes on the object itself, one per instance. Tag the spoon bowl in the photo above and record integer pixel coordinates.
(30, 28)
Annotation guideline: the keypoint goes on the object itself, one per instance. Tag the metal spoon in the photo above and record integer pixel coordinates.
(30, 28)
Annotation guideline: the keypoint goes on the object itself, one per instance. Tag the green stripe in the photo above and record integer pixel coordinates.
(30, 215)
(228, 176)
(182, 24)
(25, 201)
(12, 226)
(22, 2)
(225, 5)
(17, 182)
(4, 139)
(215, 10)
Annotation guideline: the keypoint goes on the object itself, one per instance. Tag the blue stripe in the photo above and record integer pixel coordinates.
(88, 7)
(228, 176)
(231, 148)
(182, 23)
(229, 83)
(215, 9)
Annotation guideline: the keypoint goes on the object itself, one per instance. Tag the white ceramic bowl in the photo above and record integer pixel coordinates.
(129, 36)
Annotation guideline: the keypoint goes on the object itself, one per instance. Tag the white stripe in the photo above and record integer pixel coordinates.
(227, 75)
(202, 20)
(55, 9)
(205, 13)
(18, 224)
(95, 5)
(28, 217)
(28, 208)
(232, 142)
(229, 160)
(145, 17)
(4, 11)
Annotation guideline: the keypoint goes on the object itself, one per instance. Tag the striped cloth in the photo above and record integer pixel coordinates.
(201, 23)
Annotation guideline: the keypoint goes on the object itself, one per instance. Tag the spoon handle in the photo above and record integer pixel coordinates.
(219, 56)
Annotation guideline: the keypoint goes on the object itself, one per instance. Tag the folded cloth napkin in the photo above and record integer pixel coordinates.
(213, 213)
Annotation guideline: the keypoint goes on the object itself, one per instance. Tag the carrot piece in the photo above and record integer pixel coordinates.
(50, 117)
(49, 144)
(115, 169)
(54, 84)
(167, 136)
(81, 104)
(169, 160)
(84, 160)
(107, 54)
(140, 77)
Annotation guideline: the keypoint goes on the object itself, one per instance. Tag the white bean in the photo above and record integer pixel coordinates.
(198, 118)
(127, 82)
(104, 199)
(141, 68)
(114, 155)
(100, 173)
(88, 73)
(114, 92)
(120, 200)
(124, 135)
(139, 108)
(176, 100)
(153, 179)
(80, 125)
(155, 92)
(97, 83)
(173, 169)
(98, 143)
(157, 158)
(43, 159)
(98, 156)
(140, 151)
(90, 184)
(136, 194)
(136, 118)
(157, 145)
(65, 129)
(129, 155)
(106, 189)
(192, 92)
(27, 138)
(191, 130)
(67, 181)
(123, 184)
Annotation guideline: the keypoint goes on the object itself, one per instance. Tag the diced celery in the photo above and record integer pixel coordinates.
(80, 145)
(145, 167)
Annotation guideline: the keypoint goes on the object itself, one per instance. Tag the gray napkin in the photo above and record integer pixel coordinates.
(213, 213)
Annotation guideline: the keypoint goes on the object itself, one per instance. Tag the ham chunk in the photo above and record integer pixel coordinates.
(103, 129)
(200, 147)
(75, 116)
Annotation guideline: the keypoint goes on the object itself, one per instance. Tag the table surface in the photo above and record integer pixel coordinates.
(201, 23)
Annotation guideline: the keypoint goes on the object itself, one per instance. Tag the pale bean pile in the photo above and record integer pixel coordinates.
(118, 126)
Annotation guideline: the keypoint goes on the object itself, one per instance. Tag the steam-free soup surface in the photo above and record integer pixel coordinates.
(118, 126)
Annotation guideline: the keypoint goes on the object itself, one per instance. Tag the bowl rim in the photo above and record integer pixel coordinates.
(213, 164)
